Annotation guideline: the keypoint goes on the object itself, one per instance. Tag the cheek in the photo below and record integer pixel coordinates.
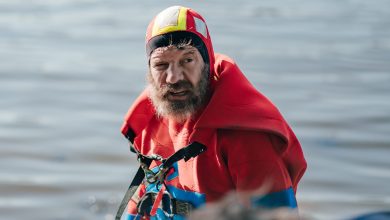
(156, 78)
(194, 77)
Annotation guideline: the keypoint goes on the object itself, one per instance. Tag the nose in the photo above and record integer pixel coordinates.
(174, 74)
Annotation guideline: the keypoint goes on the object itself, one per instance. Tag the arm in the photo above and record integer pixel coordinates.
(257, 169)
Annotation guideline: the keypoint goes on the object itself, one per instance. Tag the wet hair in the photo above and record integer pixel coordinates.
(180, 39)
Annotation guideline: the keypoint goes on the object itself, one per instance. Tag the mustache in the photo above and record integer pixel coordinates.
(180, 85)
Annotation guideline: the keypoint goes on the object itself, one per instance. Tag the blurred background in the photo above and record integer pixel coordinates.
(69, 69)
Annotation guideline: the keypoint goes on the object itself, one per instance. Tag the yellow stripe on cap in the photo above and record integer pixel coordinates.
(171, 19)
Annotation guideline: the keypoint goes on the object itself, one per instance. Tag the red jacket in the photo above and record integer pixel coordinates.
(249, 144)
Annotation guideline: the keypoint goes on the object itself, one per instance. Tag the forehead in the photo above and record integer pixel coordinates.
(173, 51)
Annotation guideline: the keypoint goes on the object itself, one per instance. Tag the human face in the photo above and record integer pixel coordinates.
(178, 81)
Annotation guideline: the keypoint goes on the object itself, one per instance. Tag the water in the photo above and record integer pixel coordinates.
(70, 69)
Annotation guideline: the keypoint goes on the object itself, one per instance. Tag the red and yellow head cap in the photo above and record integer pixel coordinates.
(175, 24)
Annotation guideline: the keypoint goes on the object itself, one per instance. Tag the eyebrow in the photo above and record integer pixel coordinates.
(192, 51)
(158, 56)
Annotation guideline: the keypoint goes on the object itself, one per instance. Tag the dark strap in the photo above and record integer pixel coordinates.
(139, 176)
(179, 207)
(186, 153)
(130, 135)
(137, 180)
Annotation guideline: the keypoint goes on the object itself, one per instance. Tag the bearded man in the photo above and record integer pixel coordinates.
(201, 130)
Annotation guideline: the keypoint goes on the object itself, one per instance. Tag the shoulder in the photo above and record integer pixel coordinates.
(220, 58)
(224, 63)
(249, 141)
(253, 158)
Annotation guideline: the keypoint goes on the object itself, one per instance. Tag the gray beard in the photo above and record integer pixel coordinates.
(180, 110)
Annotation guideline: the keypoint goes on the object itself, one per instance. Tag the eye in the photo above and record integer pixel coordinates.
(188, 60)
(160, 66)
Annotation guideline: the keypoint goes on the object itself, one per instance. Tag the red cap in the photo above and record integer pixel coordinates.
(179, 19)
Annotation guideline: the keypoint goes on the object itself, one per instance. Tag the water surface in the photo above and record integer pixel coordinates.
(70, 69)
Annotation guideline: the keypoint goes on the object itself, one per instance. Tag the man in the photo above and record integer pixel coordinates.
(238, 141)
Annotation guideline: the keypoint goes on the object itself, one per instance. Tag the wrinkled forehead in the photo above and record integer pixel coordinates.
(173, 50)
